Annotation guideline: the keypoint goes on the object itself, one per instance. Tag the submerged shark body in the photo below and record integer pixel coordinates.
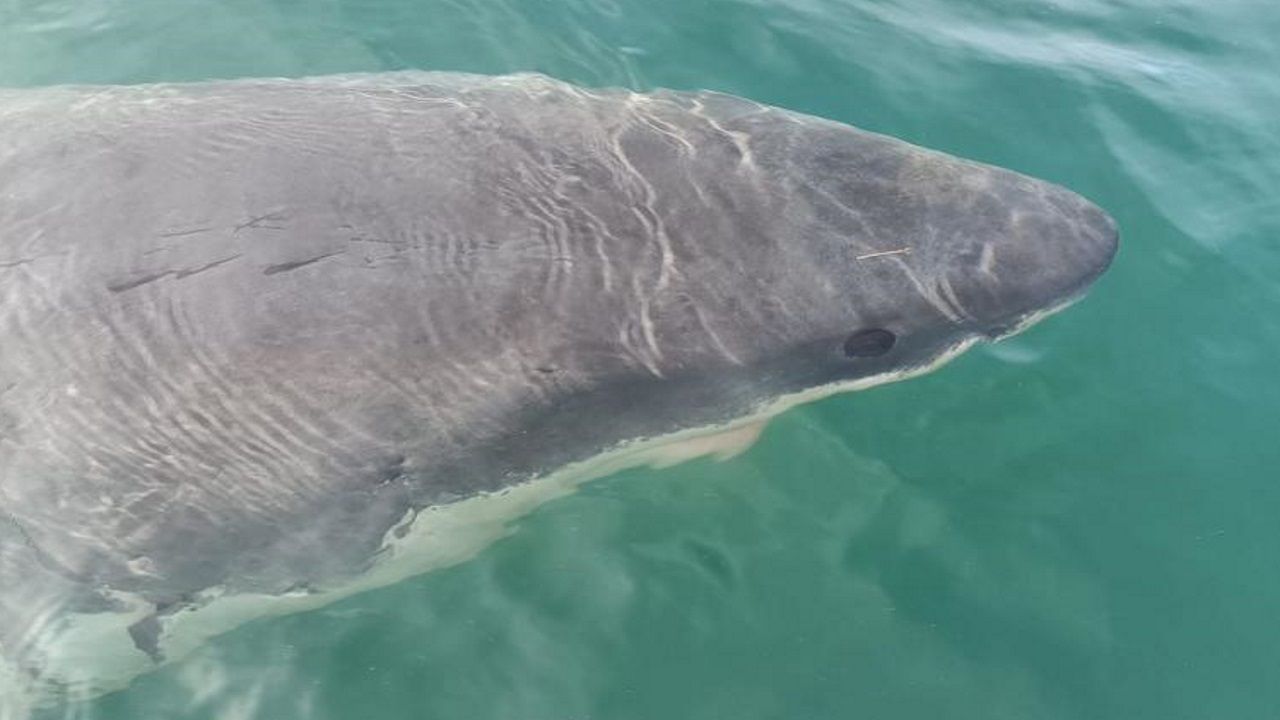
(267, 343)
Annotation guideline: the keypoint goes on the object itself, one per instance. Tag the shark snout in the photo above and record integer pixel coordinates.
(1051, 246)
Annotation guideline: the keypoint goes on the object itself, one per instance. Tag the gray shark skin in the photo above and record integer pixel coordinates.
(248, 328)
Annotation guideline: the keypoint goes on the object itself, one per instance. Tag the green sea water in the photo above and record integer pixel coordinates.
(1078, 523)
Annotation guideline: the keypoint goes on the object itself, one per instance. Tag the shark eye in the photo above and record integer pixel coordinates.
(871, 342)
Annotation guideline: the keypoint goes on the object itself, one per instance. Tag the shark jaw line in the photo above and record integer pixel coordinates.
(1026, 321)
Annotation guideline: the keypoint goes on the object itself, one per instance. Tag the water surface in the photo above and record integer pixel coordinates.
(1078, 523)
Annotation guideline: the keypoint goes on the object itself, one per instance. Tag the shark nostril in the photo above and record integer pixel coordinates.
(871, 342)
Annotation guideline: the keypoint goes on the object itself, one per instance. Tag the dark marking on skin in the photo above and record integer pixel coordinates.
(256, 223)
(137, 282)
(10, 425)
(200, 418)
(188, 273)
(25, 261)
(182, 233)
(286, 267)
(391, 470)
(17, 526)
(302, 587)
(375, 263)
(178, 274)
